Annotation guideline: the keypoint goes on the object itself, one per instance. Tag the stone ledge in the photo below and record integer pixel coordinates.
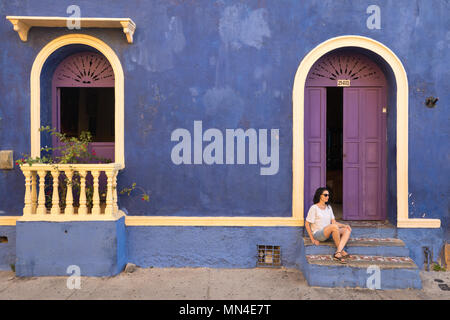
(22, 24)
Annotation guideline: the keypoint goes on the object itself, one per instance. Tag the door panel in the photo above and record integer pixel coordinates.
(363, 167)
(315, 142)
(372, 188)
(351, 187)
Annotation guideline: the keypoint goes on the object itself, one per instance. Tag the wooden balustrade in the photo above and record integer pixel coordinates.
(70, 191)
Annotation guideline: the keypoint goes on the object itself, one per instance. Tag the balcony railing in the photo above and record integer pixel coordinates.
(71, 191)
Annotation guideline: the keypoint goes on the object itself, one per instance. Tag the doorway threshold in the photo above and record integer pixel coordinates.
(367, 223)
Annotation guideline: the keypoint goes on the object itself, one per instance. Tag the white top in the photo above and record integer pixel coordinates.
(319, 218)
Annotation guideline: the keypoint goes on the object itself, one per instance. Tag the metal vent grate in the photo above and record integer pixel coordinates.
(269, 256)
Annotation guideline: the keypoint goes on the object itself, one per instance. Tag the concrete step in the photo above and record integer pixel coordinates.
(394, 272)
(361, 246)
(369, 229)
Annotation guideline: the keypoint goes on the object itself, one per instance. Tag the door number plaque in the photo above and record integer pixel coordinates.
(343, 83)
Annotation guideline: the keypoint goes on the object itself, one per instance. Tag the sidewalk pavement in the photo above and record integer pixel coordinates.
(207, 284)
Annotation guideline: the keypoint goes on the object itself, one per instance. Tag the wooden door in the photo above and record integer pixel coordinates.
(363, 159)
(315, 142)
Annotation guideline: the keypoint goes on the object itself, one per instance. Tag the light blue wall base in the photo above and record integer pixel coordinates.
(215, 247)
(328, 276)
(49, 248)
(8, 249)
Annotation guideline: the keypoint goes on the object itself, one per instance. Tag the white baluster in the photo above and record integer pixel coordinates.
(116, 207)
(41, 209)
(96, 196)
(82, 210)
(109, 194)
(69, 196)
(33, 192)
(55, 196)
(27, 209)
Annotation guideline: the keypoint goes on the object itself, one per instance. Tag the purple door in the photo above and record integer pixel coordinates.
(315, 142)
(363, 170)
(364, 133)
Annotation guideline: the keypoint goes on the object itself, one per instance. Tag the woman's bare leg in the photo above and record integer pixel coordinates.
(345, 235)
(333, 230)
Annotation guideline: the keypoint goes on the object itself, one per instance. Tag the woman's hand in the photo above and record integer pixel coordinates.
(316, 242)
(344, 226)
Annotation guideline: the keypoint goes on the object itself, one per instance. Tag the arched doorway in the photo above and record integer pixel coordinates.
(345, 134)
(83, 100)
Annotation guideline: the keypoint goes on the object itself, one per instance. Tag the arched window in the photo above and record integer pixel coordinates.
(83, 100)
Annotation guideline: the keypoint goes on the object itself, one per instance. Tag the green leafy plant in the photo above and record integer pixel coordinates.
(437, 267)
(71, 150)
(145, 196)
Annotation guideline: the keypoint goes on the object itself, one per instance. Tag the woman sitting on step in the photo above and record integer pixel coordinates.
(321, 225)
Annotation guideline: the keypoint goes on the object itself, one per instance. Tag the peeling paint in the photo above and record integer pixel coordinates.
(240, 26)
(162, 44)
(224, 103)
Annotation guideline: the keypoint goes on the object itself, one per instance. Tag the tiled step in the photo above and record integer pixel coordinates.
(363, 261)
(361, 246)
(395, 272)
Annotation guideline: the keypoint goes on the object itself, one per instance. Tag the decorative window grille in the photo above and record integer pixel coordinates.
(85, 69)
(269, 256)
(355, 68)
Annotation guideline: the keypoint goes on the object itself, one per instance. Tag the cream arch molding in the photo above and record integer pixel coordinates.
(35, 103)
(401, 79)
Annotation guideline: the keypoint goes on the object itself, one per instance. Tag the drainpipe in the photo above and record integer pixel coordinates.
(428, 257)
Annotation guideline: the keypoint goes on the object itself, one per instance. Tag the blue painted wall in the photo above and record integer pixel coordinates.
(216, 247)
(8, 249)
(418, 239)
(232, 64)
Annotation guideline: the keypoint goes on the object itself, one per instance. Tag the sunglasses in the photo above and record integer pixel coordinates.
(326, 194)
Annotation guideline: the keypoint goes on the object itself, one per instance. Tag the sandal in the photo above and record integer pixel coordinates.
(346, 255)
(340, 259)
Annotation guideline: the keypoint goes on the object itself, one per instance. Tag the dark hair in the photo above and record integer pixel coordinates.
(318, 193)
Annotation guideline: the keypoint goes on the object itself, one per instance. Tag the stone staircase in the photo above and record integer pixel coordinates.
(371, 244)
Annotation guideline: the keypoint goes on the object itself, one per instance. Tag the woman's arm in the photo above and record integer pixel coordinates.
(308, 229)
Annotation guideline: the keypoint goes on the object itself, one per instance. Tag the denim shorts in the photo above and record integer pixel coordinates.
(320, 236)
